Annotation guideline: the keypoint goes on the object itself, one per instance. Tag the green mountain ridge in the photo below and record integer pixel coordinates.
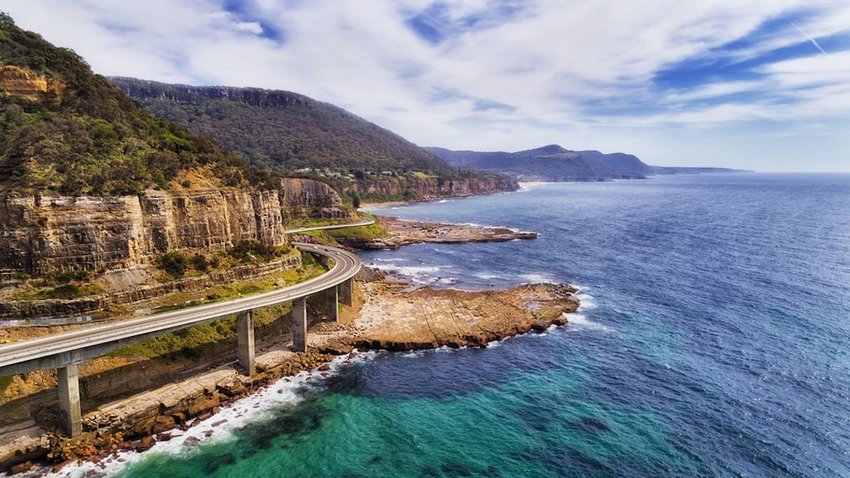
(298, 135)
(282, 128)
(555, 163)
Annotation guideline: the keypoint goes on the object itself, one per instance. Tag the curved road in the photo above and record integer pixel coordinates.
(365, 222)
(20, 357)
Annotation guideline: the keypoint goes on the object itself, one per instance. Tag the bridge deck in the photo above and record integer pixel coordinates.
(61, 349)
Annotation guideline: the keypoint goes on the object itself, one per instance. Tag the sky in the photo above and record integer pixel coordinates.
(753, 84)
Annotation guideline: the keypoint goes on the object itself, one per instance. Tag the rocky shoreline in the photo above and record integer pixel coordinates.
(402, 232)
(388, 317)
(393, 317)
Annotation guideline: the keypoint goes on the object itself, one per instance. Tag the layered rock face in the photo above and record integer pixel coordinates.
(141, 89)
(25, 83)
(307, 198)
(427, 188)
(43, 234)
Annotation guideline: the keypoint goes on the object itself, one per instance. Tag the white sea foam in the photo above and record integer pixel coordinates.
(587, 302)
(420, 275)
(578, 321)
(529, 185)
(413, 271)
(486, 276)
(282, 393)
(447, 349)
(535, 278)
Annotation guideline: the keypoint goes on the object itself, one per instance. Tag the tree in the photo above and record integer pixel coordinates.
(6, 21)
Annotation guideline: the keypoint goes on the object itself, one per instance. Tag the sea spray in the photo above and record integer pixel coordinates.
(286, 392)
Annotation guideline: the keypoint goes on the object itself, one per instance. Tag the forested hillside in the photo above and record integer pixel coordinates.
(297, 135)
(69, 130)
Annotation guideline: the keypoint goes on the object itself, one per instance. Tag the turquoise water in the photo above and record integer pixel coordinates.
(714, 341)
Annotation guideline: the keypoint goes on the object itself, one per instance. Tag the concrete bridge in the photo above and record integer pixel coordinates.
(65, 351)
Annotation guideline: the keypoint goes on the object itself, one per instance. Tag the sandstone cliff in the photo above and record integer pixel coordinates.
(26, 84)
(305, 198)
(42, 234)
(394, 188)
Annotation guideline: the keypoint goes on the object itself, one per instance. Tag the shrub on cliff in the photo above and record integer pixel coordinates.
(199, 262)
(256, 251)
(174, 263)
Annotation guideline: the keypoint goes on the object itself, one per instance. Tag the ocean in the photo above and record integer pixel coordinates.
(713, 340)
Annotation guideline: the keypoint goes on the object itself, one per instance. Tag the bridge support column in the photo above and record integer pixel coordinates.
(245, 341)
(69, 399)
(331, 299)
(345, 292)
(299, 325)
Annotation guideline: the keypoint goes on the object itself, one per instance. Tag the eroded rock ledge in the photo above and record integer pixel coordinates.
(403, 232)
(396, 318)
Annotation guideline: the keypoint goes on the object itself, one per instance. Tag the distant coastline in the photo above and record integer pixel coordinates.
(553, 163)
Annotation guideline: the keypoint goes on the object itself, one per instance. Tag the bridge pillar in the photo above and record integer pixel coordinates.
(331, 300)
(299, 325)
(245, 341)
(69, 399)
(345, 292)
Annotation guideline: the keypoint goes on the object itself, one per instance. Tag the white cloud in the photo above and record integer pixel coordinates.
(550, 64)
(251, 27)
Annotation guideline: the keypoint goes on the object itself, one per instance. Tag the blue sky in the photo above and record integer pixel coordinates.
(758, 84)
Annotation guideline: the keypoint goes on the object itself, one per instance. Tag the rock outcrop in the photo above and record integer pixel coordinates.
(404, 233)
(186, 94)
(393, 317)
(26, 84)
(42, 234)
(305, 198)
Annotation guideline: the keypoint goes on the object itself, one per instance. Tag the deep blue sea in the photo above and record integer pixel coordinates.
(714, 340)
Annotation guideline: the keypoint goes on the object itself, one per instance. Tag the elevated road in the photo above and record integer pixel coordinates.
(58, 350)
(65, 351)
(365, 222)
